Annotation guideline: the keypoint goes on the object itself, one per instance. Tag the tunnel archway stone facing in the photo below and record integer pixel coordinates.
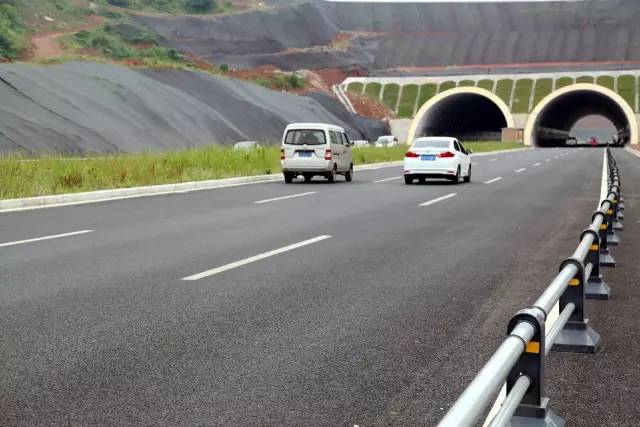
(581, 87)
(418, 120)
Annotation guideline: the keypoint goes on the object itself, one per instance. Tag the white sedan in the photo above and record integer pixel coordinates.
(437, 157)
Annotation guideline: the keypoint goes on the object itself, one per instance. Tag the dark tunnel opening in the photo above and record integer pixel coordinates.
(466, 116)
(555, 122)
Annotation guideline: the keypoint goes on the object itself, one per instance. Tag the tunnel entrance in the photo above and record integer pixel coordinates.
(555, 119)
(466, 116)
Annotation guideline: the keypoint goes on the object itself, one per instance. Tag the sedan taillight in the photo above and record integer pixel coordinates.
(411, 154)
(446, 154)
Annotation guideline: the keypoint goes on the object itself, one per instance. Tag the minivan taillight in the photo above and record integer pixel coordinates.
(446, 154)
(282, 154)
(327, 155)
(410, 154)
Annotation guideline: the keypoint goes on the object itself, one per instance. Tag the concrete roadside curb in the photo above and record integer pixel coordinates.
(70, 199)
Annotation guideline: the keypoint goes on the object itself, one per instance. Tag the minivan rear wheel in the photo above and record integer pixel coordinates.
(288, 177)
(332, 175)
(349, 174)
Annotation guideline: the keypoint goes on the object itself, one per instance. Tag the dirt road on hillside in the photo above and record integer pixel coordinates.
(46, 45)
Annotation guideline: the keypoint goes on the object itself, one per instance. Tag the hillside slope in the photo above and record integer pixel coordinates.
(387, 36)
(80, 107)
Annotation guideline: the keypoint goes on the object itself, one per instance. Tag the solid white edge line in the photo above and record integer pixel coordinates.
(38, 239)
(491, 181)
(254, 258)
(493, 160)
(537, 164)
(547, 160)
(387, 179)
(520, 170)
(292, 196)
(439, 199)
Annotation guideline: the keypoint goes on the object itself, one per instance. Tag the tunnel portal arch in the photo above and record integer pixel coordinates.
(553, 118)
(464, 112)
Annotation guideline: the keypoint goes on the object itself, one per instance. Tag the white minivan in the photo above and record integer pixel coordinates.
(310, 149)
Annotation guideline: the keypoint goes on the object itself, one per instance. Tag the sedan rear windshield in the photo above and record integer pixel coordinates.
(431, 144)
(305, 137)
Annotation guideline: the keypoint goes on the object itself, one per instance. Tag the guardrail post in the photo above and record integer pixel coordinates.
(595, 288)
(577, 336)
(612, 237)
(534, 409)
(606, 259)
(618, 216)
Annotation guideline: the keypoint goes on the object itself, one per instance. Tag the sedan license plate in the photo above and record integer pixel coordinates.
(304, 154)
(427, 157)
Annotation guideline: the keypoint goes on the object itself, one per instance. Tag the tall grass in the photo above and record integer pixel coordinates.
(22, 177)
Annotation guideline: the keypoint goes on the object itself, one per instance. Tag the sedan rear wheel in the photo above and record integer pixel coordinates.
(468, 177)
(408, 179)
(456, 179)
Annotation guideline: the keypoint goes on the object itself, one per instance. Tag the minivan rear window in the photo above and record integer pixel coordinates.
(305, 137)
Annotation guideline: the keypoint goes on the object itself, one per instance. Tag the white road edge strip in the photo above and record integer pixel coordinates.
(520, 170)
(547, 160)
(38, 239)
(491, 181)
(439, 199)
(254, 258)
(536, 164)
(292, 196)
(387, 179)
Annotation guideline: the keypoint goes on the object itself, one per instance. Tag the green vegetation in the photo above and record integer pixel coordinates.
(407, 101)
(543, 88)
(390, 96)
(444, 86)
(563, 82)
(503, 90)
(355, 88)
(606, 81)
(486, 146)
(584, 79)
(55, 175)
(20, 18)
(521, 96)
(169, 6)
(466, 83)
(627, 89)
(427, 91)
(373, 90)
(123, 41)
(486, 84)
(11, 31)
(282, 81)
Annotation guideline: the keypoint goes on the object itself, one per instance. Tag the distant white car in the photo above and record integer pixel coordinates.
(386, 141)
(246, 145)
(360, 143)
(437, 157)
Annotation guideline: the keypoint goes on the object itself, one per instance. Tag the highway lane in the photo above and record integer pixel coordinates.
(356, 328)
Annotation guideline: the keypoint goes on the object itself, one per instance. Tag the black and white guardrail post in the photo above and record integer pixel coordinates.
(519, 361)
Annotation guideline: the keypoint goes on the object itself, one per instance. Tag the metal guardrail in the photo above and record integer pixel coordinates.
(519, 361)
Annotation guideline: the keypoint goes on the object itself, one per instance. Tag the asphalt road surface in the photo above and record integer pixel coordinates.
(346, 304)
